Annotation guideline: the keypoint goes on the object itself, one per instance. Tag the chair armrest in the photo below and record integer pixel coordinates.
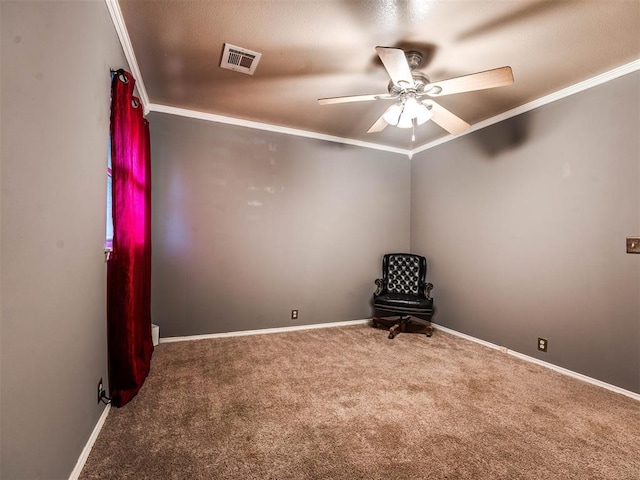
(428, 288)
(380, 283)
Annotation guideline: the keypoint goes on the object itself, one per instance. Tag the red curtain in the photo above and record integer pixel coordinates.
(129, 268)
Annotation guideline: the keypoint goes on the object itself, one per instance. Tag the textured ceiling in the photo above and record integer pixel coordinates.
(313, 49)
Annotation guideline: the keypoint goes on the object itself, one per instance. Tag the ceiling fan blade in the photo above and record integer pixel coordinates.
(498, 77)
(447, 120)
(354, 98)
(380, 125)
(397, 67)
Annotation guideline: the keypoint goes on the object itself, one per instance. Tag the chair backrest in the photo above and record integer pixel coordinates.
(404, 273)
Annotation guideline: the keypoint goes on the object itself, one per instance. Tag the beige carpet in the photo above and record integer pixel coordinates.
(347, 403)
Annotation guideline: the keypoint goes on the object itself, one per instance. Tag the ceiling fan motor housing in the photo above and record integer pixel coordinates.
(419, 79)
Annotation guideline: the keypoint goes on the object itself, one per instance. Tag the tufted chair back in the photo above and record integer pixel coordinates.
(404, 273)
(403, 292)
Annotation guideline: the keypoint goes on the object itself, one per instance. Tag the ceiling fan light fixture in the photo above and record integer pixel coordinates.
(410, 110)
(417, 110)
(406, 120)
(392, 115)
(423, 114)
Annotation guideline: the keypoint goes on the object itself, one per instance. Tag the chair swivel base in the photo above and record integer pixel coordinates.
(404, 324)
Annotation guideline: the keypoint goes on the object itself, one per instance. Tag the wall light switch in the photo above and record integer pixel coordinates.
(633, 245)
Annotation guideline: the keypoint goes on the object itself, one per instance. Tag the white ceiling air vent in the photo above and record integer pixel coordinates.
(239, 59)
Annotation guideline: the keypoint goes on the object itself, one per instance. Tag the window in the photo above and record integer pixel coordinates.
(108, 244)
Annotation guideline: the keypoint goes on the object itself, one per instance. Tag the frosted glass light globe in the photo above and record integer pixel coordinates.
(392, 115)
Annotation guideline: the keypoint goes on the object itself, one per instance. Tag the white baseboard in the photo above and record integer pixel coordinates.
(75, 474)
(537, 361)
(263, 331)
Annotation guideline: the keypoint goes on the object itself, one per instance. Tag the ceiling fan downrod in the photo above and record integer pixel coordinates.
(414, 59)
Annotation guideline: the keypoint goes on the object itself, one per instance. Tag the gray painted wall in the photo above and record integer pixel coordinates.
(55, 119)
(248, 225)
(524, 226)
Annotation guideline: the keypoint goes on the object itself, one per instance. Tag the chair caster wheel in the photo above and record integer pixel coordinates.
(428, 334)
(391, 336)
(374, 324)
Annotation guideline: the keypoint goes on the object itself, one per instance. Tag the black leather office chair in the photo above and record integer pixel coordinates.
(402, 292)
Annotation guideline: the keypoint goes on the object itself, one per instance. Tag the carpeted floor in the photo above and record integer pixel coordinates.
(347, 403)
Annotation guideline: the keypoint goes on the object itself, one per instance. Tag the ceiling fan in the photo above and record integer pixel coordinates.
(409, 87)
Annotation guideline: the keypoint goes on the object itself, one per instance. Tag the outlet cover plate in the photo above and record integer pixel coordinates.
(633, 245)
(543, 343)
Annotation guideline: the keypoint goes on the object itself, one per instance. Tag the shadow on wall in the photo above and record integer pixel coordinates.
(503, 136)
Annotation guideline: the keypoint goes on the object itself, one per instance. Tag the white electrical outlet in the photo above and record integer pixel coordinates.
(543, 344)
(100, 390)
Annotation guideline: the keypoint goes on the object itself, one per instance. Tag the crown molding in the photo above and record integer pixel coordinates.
(125, 42)
(211, 117)
(553, 97)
